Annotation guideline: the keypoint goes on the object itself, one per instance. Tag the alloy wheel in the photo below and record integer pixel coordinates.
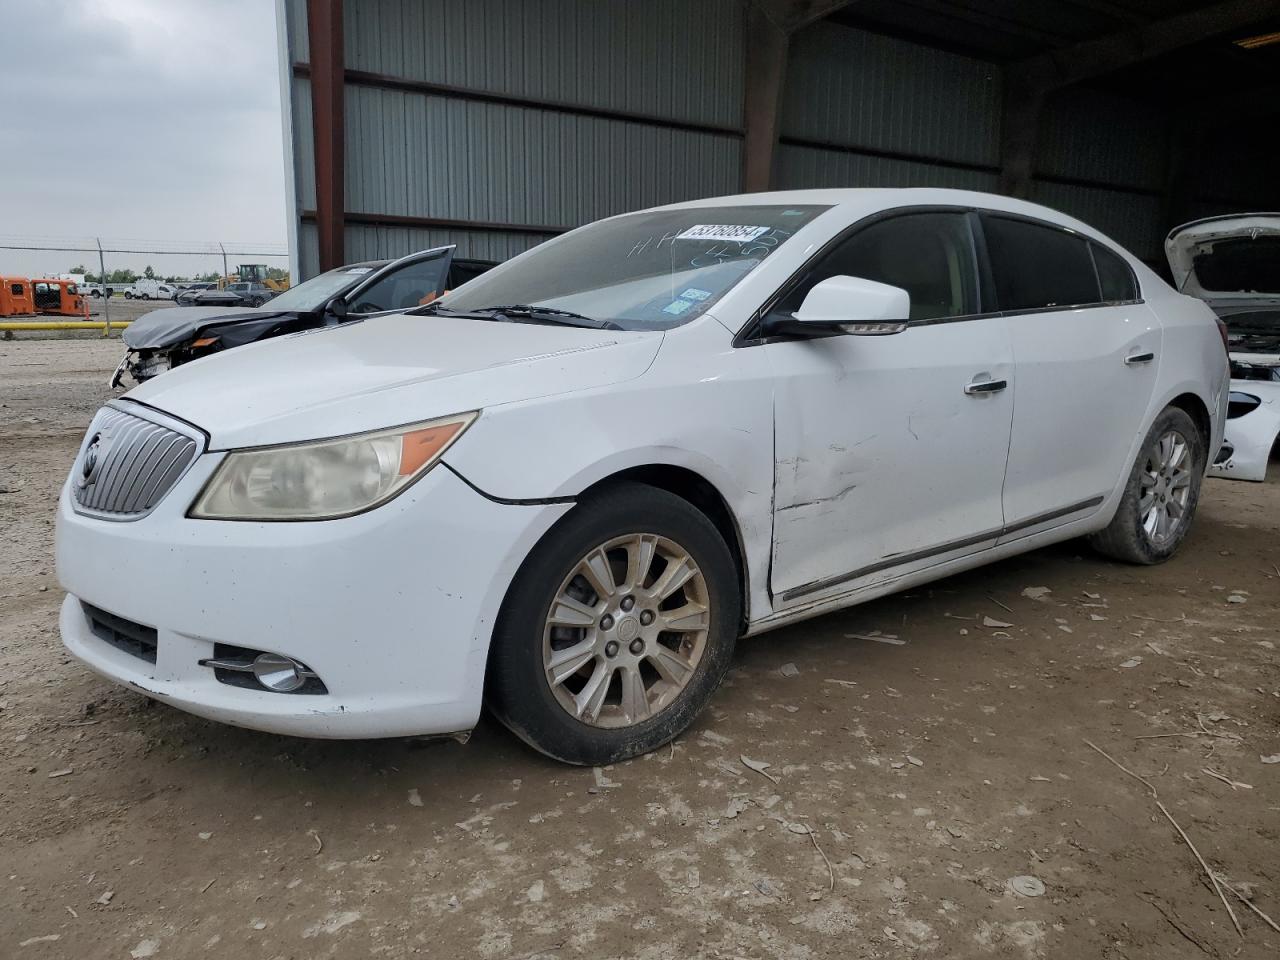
(1165, 487)
(626, 631)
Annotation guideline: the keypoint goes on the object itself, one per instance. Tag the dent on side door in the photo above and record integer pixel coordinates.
(882, 455)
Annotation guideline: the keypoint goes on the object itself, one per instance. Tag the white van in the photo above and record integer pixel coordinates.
(144, 289)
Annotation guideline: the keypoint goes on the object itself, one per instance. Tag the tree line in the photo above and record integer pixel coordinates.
(125, 275)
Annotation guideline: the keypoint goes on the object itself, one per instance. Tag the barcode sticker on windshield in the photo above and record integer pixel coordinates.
(722, 231)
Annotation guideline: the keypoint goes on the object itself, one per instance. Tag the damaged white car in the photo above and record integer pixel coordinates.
(567, 487)
(1233, 264)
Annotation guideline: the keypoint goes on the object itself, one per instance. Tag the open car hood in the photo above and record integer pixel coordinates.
(1227, 259)
(171, 325)
(386, 370)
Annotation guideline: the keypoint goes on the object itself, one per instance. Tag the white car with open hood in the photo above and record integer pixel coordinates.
(567, 487)
(1233, 264)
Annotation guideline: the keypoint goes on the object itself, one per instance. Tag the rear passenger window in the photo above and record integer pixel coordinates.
(1038, 266)
(1114, 275)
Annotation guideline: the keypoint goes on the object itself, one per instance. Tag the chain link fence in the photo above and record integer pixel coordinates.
(111, 252)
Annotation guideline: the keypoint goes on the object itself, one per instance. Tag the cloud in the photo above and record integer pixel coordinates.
(156, 119)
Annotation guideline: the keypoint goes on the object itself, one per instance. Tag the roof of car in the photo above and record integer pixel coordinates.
(868, 200)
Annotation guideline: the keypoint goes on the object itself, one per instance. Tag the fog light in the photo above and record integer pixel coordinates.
(259, 670)
(278, 673)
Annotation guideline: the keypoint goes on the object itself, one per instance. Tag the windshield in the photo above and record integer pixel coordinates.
(645, 271)
(316, 292)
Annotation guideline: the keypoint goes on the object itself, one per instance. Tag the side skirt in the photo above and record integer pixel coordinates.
(988, 554)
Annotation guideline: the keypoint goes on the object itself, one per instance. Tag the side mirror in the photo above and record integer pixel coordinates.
(336, 308)
(849, 305)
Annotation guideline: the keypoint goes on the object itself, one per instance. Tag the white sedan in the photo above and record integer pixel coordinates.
(566, 488)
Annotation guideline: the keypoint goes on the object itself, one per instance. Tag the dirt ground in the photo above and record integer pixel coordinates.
(908, 782)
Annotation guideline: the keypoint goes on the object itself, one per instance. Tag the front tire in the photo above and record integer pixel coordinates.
(1160, 498)
(617, 629)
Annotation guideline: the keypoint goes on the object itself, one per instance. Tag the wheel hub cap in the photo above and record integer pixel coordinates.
(1165, 487)
(626, 631)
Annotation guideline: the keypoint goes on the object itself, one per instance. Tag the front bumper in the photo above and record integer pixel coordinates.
(393, 609)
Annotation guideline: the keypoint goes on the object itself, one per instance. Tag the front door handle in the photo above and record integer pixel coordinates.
(978, 387)
(1135, 358)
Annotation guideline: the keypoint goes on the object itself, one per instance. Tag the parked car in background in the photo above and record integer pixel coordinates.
(148, 289)
(243, 293)
(91, 289)
(164, 339)
(190, 291)
(1233, 263)
(567, 487)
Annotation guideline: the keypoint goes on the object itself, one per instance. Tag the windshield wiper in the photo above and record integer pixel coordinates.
(566, 318)
(520, 313)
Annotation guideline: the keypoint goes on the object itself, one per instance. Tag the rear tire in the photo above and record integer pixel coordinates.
(1160, 497)
(607, 680)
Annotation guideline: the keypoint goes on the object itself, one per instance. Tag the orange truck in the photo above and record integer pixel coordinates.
(20, 296)
(15, 297)
(60, 298)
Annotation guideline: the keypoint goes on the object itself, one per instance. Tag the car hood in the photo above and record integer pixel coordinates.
(1198, 268)
(385, 371)
(171, 325)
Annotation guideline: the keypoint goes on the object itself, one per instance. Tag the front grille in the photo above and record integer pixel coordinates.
(125, 635)
(128, 464)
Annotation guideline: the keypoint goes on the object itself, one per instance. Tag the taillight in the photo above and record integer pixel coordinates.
(1222, 331)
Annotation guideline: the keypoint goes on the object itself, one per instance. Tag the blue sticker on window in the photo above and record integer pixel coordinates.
(677, 307)
(694, 294)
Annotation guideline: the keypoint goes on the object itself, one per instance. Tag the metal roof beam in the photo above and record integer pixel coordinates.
(1093, 58)
(1028, 82)
(790, 15)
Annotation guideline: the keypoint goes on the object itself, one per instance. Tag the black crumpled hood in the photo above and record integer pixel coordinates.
(172, 325)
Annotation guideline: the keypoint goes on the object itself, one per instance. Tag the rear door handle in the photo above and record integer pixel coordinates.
(979, 387)
(1135, 358)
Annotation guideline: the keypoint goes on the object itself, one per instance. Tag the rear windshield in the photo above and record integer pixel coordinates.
(1240, 265)
(645, 271)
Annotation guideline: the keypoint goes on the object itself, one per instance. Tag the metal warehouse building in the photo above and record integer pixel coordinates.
(495, 124)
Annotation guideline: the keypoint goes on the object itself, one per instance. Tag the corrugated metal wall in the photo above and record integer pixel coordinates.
(868, 110)
(305, 259)
(532, 165)
(428, 156)
(851, 88)
(679, 59)
(860, 109)
(1104, 160)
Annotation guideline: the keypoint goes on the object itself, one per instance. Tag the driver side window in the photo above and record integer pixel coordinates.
(404, 288)
(930, 255)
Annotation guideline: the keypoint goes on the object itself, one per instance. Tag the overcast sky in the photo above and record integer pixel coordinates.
(150, 119)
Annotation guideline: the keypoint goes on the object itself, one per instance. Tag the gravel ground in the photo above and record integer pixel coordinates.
(909, 782)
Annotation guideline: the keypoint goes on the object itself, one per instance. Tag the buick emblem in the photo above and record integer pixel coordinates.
(89, 464)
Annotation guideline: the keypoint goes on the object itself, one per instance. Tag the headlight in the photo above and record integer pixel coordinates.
(326, 479)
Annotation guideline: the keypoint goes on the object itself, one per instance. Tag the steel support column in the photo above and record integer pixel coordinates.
(1019, 133)
(769, 26)
(324, 30)
(766, 68)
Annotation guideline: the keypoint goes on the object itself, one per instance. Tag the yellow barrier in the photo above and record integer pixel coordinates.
(64, 325)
